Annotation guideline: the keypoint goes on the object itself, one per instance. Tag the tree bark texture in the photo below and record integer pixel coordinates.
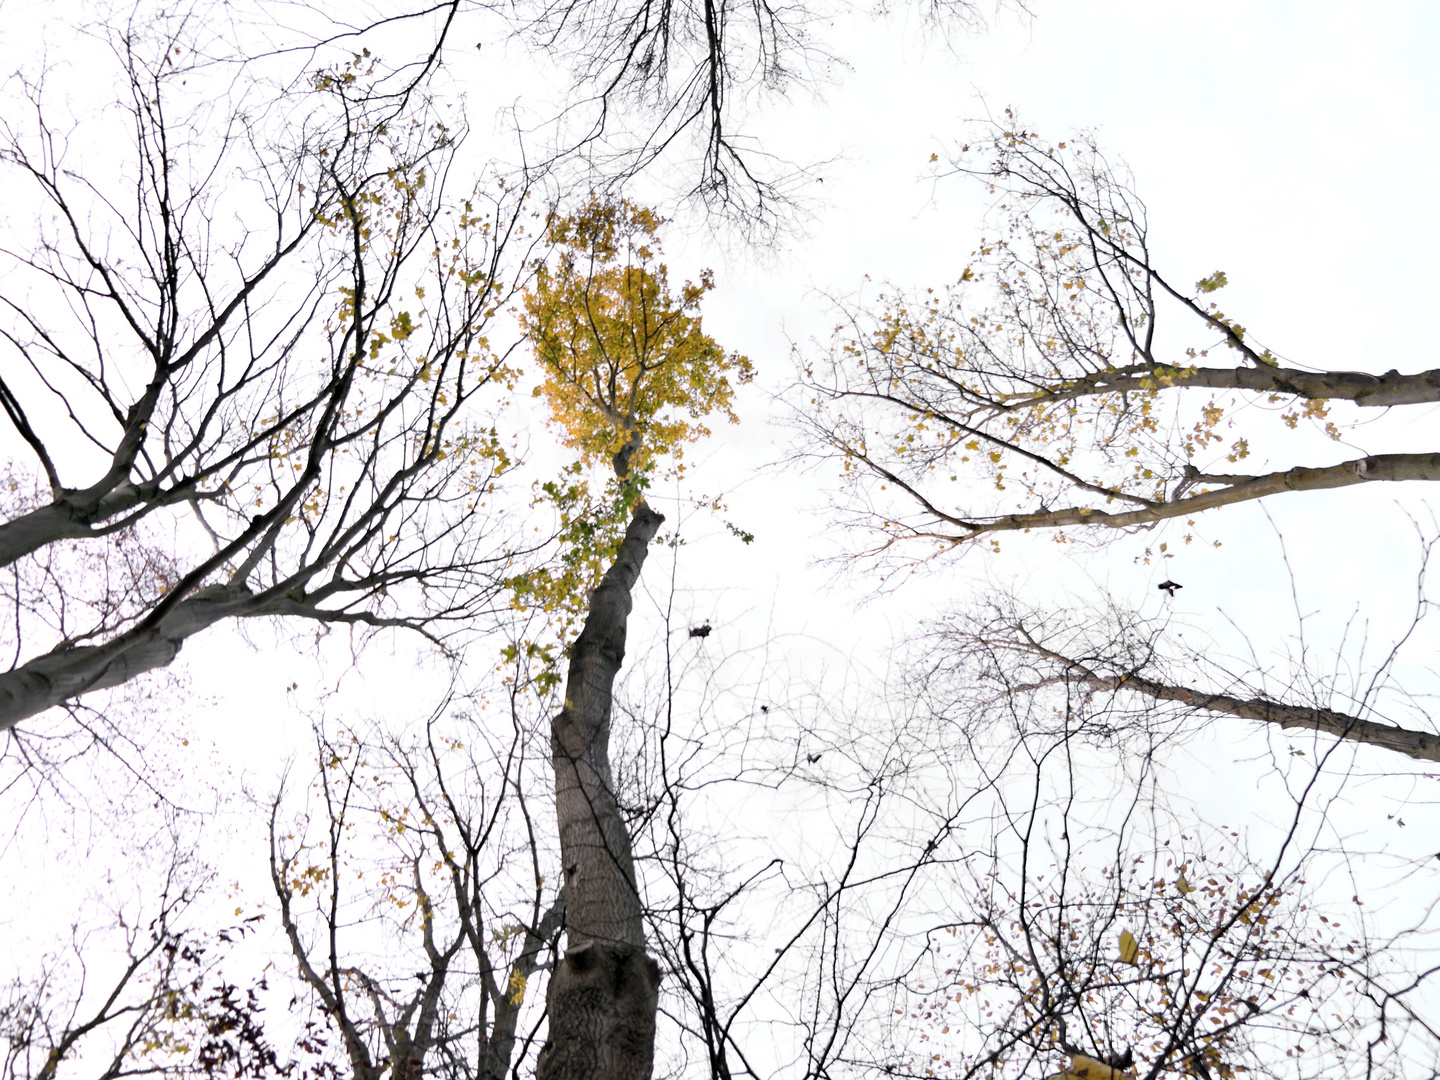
(1229, 491)
(1420, 745)
(77, 515)
(1382, 391)
(68, 671)
(603, 995)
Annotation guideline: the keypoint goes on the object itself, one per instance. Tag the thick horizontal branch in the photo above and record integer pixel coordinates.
(1421, 745)
(66, 672)
(77, 515)
(1385, 390)
(1302, 478)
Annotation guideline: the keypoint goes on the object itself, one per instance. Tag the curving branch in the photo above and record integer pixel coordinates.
(1235, 490)
(298, 408)
(1039, 379)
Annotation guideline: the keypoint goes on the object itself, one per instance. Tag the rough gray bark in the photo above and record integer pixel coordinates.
(68, 671)
(1226, 490)
(1421, 745)
(75, 516)
(603, 995)
(1376, 391)
(602, 1004)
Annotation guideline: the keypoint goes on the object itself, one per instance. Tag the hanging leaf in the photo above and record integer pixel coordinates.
(517, 988)
(1184, 887)
(1087, 1068)
(1129, 948)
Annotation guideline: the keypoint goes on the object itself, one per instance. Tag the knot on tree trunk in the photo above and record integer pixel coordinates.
(601, 1002)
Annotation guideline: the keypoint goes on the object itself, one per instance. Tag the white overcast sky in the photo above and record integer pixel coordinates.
(1292, 144)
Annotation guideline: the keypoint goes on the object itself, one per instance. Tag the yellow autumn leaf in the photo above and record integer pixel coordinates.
(1184, 887)
(517, 988)
(1088, 1068)
(1129, 948)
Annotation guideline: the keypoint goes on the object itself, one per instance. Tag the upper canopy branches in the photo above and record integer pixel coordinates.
(628, 371)
(677, 84)
(299, 404)
(1046, 370)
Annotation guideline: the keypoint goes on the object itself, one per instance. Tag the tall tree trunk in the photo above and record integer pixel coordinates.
(603, 995)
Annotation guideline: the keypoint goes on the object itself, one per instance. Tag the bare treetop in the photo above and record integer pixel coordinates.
(275, 352)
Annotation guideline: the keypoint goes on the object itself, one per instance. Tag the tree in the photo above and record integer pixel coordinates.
(1050, 372)
(666, 92)
(1150, 676)
(904, 803)
(1113, 920)
(1185, 955)
(159, 385)
(948, 829)
(404, 857)
(251, 397)
(141, 991)
(1052, 377)
(628, 374)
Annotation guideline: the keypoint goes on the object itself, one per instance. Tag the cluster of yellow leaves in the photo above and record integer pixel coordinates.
(517, 988)
(629, 376)
(621, 354)
(360, 65)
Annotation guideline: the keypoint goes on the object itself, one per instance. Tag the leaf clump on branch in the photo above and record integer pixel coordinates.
(628, 375)
(1055, 371)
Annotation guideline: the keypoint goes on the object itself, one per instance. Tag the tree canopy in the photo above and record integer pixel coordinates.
(285, 348)
(302, 407)
(1078, 380)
